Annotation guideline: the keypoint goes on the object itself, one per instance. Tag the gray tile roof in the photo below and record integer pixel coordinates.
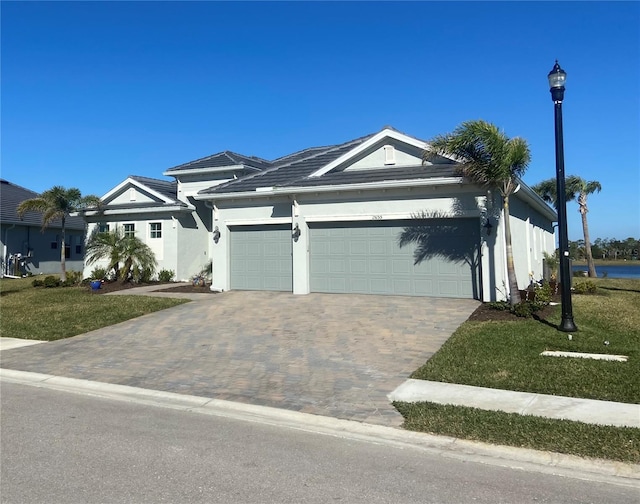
(168, 188)
(11, 195)
(289, 169)
(222, 159)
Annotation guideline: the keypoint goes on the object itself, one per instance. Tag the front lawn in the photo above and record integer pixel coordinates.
(54, 313)
(506, 355)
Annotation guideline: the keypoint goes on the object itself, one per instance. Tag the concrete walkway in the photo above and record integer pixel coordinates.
(523, 403)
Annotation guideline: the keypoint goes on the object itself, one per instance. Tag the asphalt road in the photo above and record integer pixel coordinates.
(59, 447)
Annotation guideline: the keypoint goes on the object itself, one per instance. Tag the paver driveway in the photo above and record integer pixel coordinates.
(334, 355)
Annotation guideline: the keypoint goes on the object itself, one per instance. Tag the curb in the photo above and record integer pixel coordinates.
(605, 471)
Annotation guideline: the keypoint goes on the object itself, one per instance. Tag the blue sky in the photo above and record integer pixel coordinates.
(93, 92)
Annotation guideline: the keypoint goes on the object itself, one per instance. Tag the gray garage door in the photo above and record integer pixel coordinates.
(366, 257)
(261, 258)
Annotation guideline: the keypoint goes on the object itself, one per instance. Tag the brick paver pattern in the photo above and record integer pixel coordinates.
(326, 354)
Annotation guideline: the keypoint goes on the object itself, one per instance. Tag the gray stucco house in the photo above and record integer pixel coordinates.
(329, 219)
(25, 247)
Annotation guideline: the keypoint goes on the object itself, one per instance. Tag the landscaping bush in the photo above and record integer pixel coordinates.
(166, 275)
(99, 273)
(524, 309)
(142, 275)
(585, 287)
(73, 278)
(51, 281)
(37, 282)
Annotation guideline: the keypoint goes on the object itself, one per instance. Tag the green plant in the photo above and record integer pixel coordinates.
(585, 287)
(51, 281)
(166, 275)
(500, 305)
(99, 273)
(37, 282)
(524, 309)
(73, 278)
(142, 275)
(552, 261)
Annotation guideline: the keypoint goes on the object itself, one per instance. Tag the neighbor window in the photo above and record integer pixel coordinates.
(130, 230)
(156, 229)
(103, 228)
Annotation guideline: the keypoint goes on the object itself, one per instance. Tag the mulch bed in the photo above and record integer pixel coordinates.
(118, 286)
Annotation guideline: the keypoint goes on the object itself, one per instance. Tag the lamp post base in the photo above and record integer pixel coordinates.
(567, 325)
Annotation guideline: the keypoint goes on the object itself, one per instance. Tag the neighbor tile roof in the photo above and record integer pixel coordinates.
(11, 195)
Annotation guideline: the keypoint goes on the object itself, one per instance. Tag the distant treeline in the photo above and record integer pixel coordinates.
(607, 248)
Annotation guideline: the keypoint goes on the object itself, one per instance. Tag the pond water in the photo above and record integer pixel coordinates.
(615, 270)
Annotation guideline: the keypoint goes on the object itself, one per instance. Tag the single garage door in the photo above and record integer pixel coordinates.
(261, 258)
(366, 258)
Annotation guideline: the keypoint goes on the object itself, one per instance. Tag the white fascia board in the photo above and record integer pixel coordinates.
(530, 196)
(130, 181)
(134, 211)
(392, 184)
(201, 171)
(385, 133)
(258, 222)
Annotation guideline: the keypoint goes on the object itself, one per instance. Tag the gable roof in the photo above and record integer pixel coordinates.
(288, 169)
(165, 190)
(221, 160)
(11, 195)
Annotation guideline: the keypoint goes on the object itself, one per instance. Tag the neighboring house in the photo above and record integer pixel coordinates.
(25, 247)
(328, 219)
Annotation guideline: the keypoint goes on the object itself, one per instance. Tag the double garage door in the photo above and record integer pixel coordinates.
(363, 257)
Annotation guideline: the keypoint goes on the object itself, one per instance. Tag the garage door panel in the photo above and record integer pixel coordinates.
(365, 257)
(261, 258)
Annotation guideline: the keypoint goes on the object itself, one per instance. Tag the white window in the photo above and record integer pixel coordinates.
(155, 230)
(103, 228)
(129, 230)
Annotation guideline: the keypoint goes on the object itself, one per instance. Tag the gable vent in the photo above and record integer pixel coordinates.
(389, 155)
(132, 194)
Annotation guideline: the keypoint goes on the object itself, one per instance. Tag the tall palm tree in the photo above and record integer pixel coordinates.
(56, 204)
(119, 248)
(576, 188)
(489, 158)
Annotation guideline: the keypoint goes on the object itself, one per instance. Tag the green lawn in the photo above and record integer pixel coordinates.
(55, 313)
(506, 355)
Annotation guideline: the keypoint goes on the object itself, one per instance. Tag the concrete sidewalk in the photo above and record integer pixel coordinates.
(523, 403)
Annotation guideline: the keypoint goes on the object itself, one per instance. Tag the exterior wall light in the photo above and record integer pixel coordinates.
(488, 226)
(296, 233)
(216, 235)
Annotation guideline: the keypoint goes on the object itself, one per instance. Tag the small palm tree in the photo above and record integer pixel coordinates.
(58, 203)
(576, 188)
(489, 158)
(119, 248)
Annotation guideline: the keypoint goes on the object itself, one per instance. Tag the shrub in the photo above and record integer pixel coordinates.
(51, 281)
(500, 305)
(543, 293)
(142, 275)
(99, 273)
(585, 287)
(73, 278)
(166, 275)
(524, 309)
(37, 282)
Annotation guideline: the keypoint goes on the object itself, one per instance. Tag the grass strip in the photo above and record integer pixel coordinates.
(57, 313)
(506, 354)
(525, 431)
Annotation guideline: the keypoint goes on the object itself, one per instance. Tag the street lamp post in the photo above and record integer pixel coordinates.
(557, 78)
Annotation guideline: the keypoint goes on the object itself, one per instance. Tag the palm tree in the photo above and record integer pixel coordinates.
(58, 203)
(489, 158)
(575, 187)
(120, 248)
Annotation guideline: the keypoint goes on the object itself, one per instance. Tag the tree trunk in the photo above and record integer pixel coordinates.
(585, 230)
(514, 292)
(63, 256)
